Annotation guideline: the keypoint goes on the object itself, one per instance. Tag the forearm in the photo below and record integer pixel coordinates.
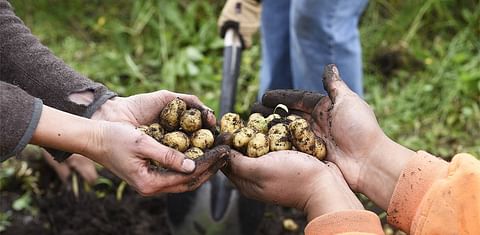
(33, 67)
(382, 172)
(66, 132)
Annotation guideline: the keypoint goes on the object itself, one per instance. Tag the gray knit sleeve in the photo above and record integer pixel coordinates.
(19, 116)
(26, 63)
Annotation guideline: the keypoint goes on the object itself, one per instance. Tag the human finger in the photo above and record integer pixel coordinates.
(165, 156)
(301, 100)
(332, 82)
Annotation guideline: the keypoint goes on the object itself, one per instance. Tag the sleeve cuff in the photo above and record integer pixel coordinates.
(60, 156)
(345, 221)
(415, 180)
(27, 136)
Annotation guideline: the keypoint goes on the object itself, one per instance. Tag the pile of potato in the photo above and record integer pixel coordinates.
(180, 128)
(262, 135)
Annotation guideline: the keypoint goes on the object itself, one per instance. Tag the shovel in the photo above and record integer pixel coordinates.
(217, 207)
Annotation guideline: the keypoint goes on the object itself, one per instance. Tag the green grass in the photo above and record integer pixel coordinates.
(430, 101)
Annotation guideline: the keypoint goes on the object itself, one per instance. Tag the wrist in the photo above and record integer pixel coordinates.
(105, 111)
(328, 198)
(381, 172)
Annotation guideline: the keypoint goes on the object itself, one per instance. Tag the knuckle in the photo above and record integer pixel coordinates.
(169, 158)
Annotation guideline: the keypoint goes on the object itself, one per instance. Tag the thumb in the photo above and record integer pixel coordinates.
(167, 157)
(333, 83)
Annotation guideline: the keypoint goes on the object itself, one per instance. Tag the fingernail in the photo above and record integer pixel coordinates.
(188, 165)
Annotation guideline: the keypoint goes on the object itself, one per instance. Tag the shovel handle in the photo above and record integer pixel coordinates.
(232, 54)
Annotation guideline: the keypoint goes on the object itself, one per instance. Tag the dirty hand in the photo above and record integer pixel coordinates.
(355, 142)
(144, 109)
(243, 16)
(127, 152)
(292, 179)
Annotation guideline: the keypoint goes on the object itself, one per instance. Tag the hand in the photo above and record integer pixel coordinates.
(126, 152)
(368, 159)
(144, 109)
(78, 163)
(243, 16)
(292, 179)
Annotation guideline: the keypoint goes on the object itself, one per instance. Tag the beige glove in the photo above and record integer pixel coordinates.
(243, 16)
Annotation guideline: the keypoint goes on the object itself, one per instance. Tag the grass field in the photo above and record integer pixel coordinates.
(421, 59)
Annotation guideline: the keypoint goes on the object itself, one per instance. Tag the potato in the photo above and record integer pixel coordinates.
(202, 139)
(320, 151)
(278, 137)
(302, 136)
(156, 131)
(293, 117)
(230, 122)
(242, 136)
(272, 116)
(258, 145)
(191, 120)
(170, 115)
(193, 152)
(176, 140)
(258, 123)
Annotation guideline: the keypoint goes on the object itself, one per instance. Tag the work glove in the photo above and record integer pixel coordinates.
(243, 16)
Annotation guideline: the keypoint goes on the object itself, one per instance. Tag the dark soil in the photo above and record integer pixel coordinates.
(60, 212)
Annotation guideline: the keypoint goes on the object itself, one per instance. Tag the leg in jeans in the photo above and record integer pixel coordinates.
(276, 66)
(324, 32)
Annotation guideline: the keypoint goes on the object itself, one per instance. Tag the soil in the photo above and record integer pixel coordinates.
(61, 213)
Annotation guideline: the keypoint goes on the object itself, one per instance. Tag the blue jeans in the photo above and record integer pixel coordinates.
(300, 37)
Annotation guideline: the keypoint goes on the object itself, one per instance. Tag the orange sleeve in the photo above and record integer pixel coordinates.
(434, 197)
(345, 222)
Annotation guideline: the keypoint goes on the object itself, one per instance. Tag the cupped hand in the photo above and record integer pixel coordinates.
(369, 160)
(292, 179)
(144, 109)
(126, 152)
(345, 122)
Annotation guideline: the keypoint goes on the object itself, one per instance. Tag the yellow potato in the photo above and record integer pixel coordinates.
(202, 139)
(193, 152)
(191, 120)
(258, 145)
(230, 122)
(258, 123)
(156, 131)
(176, 140)
(242, 136)
(170, 115)
(278, 137)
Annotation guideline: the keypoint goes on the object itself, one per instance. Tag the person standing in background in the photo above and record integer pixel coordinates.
(299, 38)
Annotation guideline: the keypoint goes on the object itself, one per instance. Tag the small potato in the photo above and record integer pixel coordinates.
(202, 139)
(193, 152)
(176, 140)
(258, 145)
(258, 123)
(279, 129)
(278, 137)
(170, 115)
(156, 131)
(272, 116)
(191, 120)
(293, 117)
(278, 142)
(303, 137)
(242, 136)
(320, 149)
(230, 122)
